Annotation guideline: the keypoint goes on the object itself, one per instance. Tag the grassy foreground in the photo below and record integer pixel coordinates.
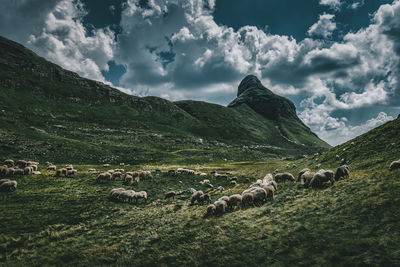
(70, 221)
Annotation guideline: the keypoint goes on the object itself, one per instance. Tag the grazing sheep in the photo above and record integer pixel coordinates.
(8, 186)
(234, 200)
(220, 207)
(22, 163)
(233, 183)
(32, 163)
(191, 190)
(204, 198)
(72, 172)
(284, 177)
(170, 194)
(116, 175)
(202, 174)
(342, 172)
(211, 210)
(260, 195)
(9, 162)
(91, 170)
(318, 166)
(11, 171)
(247, 200)
(321, 177)
(196, 197)
(206, 181)
(138, 195)
(58, 173)
(36, 173)
(3, 171)
(171, 172)
(114, 193)
(208, 185)
(301, 173)
(224, 198)
(122, 164)
(145, 175)
(106, 165)
(64, 171)
(51, 168)
(306, 178)
(268, 177)
(337, 157)
(247, 180)
(33, 166)
(234, 178)
(69, 167)
(19, 172)
(103, 176)
(221, 176)
(220, 188)
(128, 179)
(394, 165)
(28, 171)
(270, 191)
(137, 179)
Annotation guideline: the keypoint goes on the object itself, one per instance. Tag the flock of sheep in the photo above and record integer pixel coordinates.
(256, 194)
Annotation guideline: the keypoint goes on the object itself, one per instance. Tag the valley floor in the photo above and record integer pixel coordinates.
(70, 221)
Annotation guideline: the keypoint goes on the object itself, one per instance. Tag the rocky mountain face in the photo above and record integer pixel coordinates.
(263, 101)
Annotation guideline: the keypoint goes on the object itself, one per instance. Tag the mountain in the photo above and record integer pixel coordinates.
(50, 113)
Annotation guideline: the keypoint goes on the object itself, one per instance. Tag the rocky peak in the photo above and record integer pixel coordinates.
(263, 101)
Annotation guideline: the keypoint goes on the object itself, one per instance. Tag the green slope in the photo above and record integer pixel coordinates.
(53, 114)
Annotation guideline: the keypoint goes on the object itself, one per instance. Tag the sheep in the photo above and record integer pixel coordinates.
(171, 172)
(64, 171)
(128, 179)
(268, 177)
(394, 165)
(306, 178)
(224, 198)
(28, 170)
(158, 170)
(220, 207)
(233, 183)
(58, 173)
(208, 185)
(22, 163)
(91, 170)
(234, 178)
(72, 172)
(206, 181)
(3, 171)
(191, 190)
(145, 175)
(106, 165)
(202, 174)
(301, 173)
(69, 167)
(119, 170)
(116, 175)
(125, 194)
(211, 210)
(321, 177)
(196, 197)
(9, 162)
(137, 180)
(19, 171)
(36, 173)
(220, 176)
(170, 194)
(284, 177)
(4, 180)
(342, 172)
(260, 195)
(141, 194)
(103, 176)
(247, 200)
(270, 191)
(204, 198)
(32, 163)
(130, 194)
(234, 200)
(51, 168)
(114, 193)
(8, 186)
(122, 164)
(220, 188)
(33, 166)
(318, 166)
(11, 171)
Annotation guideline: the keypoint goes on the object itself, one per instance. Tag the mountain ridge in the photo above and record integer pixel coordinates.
(49, 95)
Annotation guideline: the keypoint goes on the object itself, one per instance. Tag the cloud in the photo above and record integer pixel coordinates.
(356, 5)
(337, 130)
(324, 27)
(333, 4)
(64, 40)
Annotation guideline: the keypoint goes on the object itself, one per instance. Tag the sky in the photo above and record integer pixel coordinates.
(337, 60)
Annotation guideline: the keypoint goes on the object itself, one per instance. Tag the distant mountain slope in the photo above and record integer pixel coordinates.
(374, 149)
(51, 113)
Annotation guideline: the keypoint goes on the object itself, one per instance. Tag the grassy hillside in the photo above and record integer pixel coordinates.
(48, 113)
(70, 221)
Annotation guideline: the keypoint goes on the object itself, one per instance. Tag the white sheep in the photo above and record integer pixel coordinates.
(8, 186)
(394, 165)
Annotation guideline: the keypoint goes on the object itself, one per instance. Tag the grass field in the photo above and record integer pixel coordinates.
(70, 221)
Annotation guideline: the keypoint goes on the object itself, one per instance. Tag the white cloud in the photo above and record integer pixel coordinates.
(356, 5)
(324, 27)
(64, 40)
(333, 4)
